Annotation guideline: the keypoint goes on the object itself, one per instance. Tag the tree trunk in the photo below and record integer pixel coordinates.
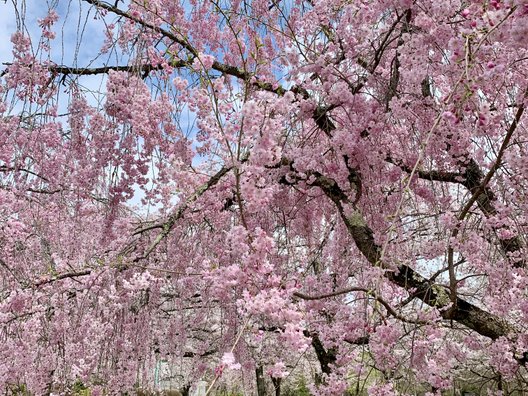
(325, 357)
(277, 385)
(185, 390)
(261, 384)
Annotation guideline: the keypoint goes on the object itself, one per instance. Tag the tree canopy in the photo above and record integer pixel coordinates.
(256, 191)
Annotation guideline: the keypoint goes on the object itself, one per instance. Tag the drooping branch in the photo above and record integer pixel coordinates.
(11, 271)
(116, 10)
(166, 227)
(181, 40)
(473, 181)
(476, 193)
(472, 178)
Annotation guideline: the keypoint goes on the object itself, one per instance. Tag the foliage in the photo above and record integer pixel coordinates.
(298, 387)
(79, 389)
(333, 190)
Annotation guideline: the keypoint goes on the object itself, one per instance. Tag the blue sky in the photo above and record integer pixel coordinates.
(79, 37)
(76, 25)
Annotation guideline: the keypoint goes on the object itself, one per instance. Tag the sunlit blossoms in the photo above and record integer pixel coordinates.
(256, 197)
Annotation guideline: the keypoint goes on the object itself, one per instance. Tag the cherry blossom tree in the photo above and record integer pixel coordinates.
(254, 191)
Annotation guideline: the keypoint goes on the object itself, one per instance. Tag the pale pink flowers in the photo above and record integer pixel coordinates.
(229, 361)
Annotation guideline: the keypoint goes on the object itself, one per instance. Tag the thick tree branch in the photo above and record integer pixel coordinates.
(326, 357)
(404, 276)
(90, 71)
(201, 355)
(433, 175)
(330, 295)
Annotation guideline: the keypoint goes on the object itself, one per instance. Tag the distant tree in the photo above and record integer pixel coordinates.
(241, 187)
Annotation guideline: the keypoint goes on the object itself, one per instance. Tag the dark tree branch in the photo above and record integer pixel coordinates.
(498, 162)
(404, 276)
(433, 175)
(168, 225)
(62, 276)
(364, 340)
(326, 357)
(4, 168)
(194, 354)
(90, 71)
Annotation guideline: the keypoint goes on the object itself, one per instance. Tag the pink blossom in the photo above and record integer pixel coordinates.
(228, 359)
(278, 370)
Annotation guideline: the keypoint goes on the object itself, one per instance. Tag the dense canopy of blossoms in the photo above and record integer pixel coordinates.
(253, 192)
